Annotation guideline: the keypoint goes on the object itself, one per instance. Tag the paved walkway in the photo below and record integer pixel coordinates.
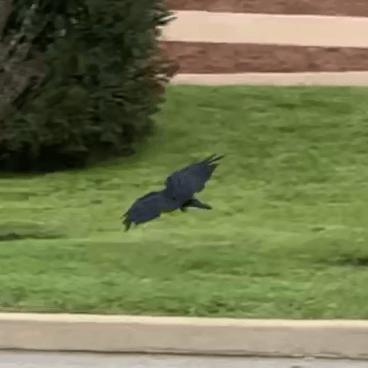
(300, 30)
(280, 79)
(42, 360)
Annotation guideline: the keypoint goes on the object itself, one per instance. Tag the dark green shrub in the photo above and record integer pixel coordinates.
(94, 76)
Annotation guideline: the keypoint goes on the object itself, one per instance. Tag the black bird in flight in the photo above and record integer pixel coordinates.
(181, 186)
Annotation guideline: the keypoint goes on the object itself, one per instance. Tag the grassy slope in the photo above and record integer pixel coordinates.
(287, 236)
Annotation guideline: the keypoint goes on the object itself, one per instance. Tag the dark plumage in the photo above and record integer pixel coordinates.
(178, 194)
(149, 207)
(191, 179)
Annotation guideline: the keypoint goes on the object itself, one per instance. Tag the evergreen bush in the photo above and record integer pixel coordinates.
(79, 80)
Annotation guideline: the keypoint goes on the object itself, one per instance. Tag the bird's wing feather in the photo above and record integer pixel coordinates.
(148, 207)
(144, 208)
(191, 179)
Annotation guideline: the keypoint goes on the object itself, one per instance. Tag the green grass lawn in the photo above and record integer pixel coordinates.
(287, 236)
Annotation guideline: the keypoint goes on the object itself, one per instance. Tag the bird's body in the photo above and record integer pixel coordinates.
(178, 194)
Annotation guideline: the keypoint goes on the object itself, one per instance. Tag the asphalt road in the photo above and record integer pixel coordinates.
(62, 360)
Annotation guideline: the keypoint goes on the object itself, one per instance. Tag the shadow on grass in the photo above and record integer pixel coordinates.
(337, 252)
(19, 231)
(11, 236)
(51, 162)
(350, 260)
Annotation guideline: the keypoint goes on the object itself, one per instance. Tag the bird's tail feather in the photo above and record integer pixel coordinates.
(194, 202)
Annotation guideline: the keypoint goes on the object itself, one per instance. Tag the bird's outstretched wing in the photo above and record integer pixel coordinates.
(148, 207)
(184, 183)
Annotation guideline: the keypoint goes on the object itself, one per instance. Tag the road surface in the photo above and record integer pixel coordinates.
(63, 360)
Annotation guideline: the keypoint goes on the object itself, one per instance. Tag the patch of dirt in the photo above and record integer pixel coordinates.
(201, 57)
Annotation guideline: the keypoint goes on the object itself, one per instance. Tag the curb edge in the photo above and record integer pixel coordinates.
(189, 336)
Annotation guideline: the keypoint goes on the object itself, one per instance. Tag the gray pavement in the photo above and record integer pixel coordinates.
(64, 360)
